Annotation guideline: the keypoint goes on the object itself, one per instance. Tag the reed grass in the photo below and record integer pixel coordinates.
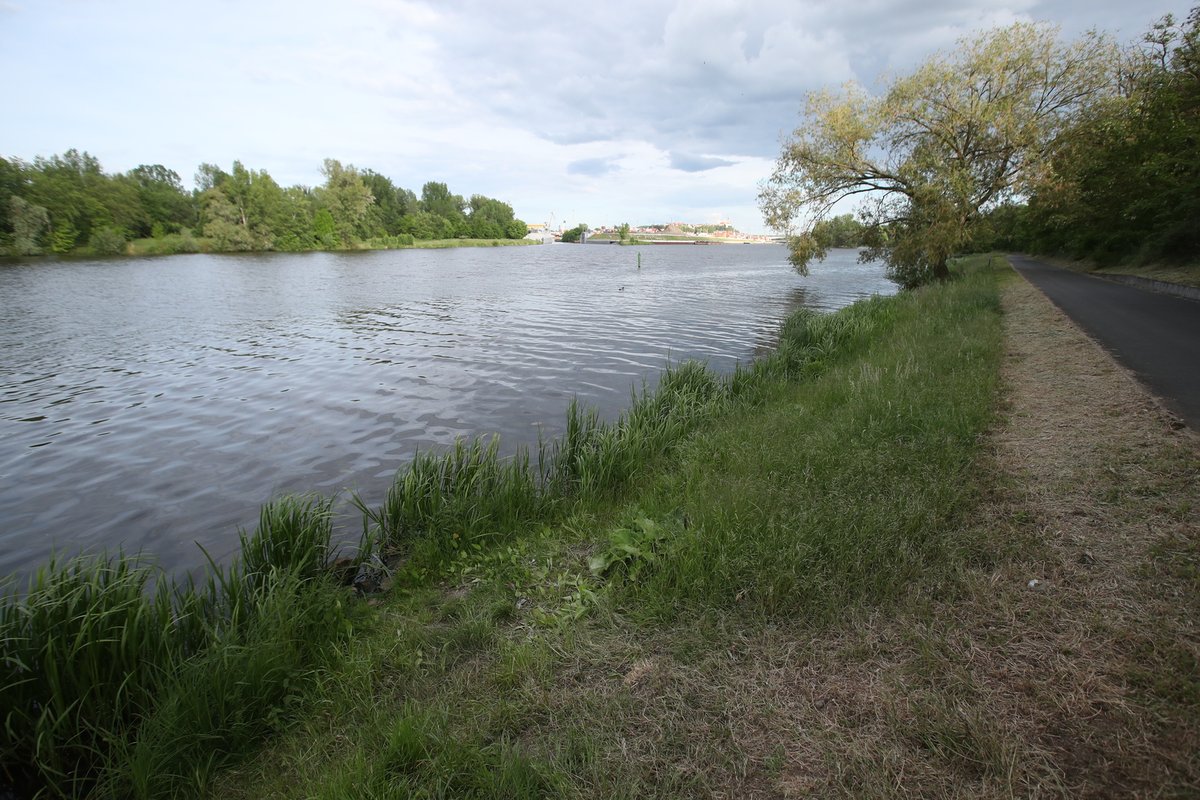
(83, 654)
(96, 646)
(470, 494)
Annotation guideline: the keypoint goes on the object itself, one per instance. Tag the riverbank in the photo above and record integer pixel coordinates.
(811, 578)
(174, 244)
(82, 626)
(650, 643)
(1036, 634)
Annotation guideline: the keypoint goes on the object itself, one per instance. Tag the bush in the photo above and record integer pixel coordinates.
(107, 241)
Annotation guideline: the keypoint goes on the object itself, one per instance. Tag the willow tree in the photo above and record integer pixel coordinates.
(963, 133)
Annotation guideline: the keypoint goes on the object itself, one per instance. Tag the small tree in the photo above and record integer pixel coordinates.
(346, 197)
(575, 234)
(960, 135)
(107, 241)
(29, 223)
(517, 229)
(64, 238)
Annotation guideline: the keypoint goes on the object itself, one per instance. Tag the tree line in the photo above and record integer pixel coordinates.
(67, 203)
(1014, 140)
(1127, 186)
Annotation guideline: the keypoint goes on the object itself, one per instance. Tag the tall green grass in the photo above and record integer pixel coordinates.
(99, 651)
(844, 489)
(470, 494)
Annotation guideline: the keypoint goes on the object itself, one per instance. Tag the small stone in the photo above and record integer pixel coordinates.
(344, 570)
(1036, 584)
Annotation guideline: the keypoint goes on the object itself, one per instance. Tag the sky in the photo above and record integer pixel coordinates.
(642, 112)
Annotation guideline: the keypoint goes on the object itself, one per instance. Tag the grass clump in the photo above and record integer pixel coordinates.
(169, 244)
(110, 667)
(83, 654)
(421, 759)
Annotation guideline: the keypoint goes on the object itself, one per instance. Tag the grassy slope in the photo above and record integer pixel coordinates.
(1183, 274)
(519, 672)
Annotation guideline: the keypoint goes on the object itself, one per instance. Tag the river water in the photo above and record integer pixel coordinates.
(151, 404)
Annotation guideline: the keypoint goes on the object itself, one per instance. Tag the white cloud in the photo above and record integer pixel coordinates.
(627, 111)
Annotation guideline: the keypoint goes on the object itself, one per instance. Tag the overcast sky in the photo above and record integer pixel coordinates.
(645, 111)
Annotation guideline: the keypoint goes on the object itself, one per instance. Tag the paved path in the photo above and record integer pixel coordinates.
(1155, 335)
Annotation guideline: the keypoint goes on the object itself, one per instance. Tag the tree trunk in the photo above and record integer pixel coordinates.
(941, 270)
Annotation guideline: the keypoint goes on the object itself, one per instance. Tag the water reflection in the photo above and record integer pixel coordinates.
(158, 402)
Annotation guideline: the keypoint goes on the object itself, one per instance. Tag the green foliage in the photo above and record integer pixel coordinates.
(168, 244)
(107, 241)
(29, 224)
(390, 205)
(436, 199)
(82, 653)
(461, 497)
(114, 676)
(964, 132)
(849, 487)
(1128, 182)
(239, 210)
(324, 230)
(165, 205)
(12, 183)
(629, 548)
(346, 198)
(516, 229)
(423, 760)
(442, 504)
(840, 231)
(575, 234)
(390, 242)
(424, 225)
(225, 700)
(64, 238)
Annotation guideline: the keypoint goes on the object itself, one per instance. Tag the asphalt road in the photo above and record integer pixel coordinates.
(1157, 336)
